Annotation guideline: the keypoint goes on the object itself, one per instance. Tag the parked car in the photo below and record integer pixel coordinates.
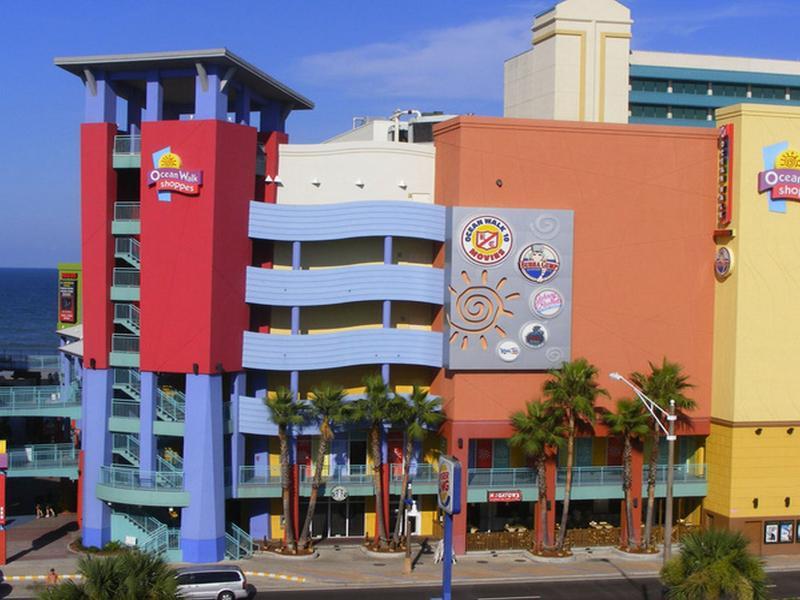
(213, 583)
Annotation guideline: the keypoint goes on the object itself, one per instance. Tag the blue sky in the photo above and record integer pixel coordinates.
(352, 57)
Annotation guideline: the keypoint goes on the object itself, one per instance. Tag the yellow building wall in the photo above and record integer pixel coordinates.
(599, 451)
(276, 510)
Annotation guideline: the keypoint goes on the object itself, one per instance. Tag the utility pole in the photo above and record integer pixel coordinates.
(671, 418)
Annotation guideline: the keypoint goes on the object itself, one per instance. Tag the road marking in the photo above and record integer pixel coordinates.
(511, 598)
(37, 577)
(275, 576)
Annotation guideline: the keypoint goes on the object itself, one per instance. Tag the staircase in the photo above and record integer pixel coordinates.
(238, 544)
(128, 381)
(127, 446)
(128, 249)
(171, 405)
(128, 315)
(154, 536)
(172, 465)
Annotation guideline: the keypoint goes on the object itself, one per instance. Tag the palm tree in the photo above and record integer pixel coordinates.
(130, 574)
(572, 392)
(714, 564)
(663, 384)
(375, 408)
(538, 432)
(419, 415)
(326, 407)
(630, 422)
(286, 413)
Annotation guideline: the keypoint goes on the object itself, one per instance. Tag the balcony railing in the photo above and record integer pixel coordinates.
(132, 478)
(125, 409)
(425, 472)
(338, 474)
(125, 342)
(171, 405)
(22, 398)
(43, 456)
(126, 277)
(521, 476)
(612, 475)
(128, 315)
(266, 475)
(127, 144)
(126, 211)
(128, 248)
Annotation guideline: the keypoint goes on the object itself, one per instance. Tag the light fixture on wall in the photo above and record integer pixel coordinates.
(277, 180)
(758, 431)
(359, 183)
(402, 184)
(268, 179)
(316, 182)
(787, 501)
(460, 443)
(755, 502)
(790, 431)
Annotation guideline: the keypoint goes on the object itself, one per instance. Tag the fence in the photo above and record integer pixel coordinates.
(126, 211)
(500, 540)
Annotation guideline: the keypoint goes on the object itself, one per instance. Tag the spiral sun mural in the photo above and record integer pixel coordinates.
(478, 310)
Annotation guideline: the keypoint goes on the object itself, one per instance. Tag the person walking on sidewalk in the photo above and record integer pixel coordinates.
(52, 578)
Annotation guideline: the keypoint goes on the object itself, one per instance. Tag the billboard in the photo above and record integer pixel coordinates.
(509, 297)
(68, 298)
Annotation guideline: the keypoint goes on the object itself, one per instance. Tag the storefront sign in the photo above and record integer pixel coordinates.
(546, 303)
(339, 493)
(723, 262)
(509, 496)
(68, 298)
(539, 263)
(725, 192)
(486, 240)
(508, 351)
(783, 181)
(533, 335)
(168, 176)
(449, 497)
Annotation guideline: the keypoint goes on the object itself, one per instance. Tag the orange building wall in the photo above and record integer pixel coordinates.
(644, 202)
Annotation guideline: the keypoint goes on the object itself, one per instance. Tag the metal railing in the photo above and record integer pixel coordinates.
(424, 472)
(172, 464)
(129, 380)
(128, 315)
(171, 405)
(128, 248)
(126, 211)
(28, 362)
(43, 456)
(238, 544)
(269, 475)
(352, 474)
(156, 542)
(127, 445)
(25, 398)
(612, 475)
(127, 144)
(132, 478)
(125, 409)
(520, 476)
(125, 342)
(126, 277)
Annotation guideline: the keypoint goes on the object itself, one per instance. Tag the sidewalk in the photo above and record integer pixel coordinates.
(347, 566)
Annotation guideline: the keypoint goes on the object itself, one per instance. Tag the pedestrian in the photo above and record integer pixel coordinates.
(52, 578)
(49, 512)
(39, 512)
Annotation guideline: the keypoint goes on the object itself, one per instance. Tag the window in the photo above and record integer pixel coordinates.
(184, 579)
(769, 91)
(649, 111)
(729, 90)
(216, 577)
(794, 93)
(697, 88)
(648, 85)
(689, 112)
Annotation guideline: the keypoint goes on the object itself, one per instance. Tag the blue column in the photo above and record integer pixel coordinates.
(96, 444)
(147, 415)
(259, 381)
(101, 101)
(237, 438)
(243, 106)
(65, 370)
(387, 304)
(154, 103)
(134, 116)
(294, 378)
(259, 514)
(203, 521)
(209, 101)
(272, 116)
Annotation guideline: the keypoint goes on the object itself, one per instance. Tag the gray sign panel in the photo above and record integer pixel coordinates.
(509, 296)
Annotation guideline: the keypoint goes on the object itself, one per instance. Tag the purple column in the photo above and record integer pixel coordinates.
(203, 521)
(209, 101)
(147, 415)
(237, 438)
(96, 445)
(387, 304)
(294, 381)
(272, 116)
(154, 103)
(243, 106)
(134, 117)
(101, 101)
(259, 512)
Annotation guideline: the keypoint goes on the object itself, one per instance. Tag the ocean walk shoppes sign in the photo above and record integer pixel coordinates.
(783, 181)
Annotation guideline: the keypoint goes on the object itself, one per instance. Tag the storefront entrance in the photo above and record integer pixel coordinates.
(336, 519)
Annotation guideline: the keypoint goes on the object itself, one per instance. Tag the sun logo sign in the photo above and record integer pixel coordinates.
(168, 176)
(783, 181)
(477, 311)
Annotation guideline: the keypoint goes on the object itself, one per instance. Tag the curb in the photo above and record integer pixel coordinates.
(38, 577)
(275, 576)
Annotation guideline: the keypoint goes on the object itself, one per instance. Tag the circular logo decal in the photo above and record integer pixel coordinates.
(486, 240)
(539, 263)
(508, 351)
(339, 493)
(723, 262)
(533, 335)
(546, 303)
(444, 487)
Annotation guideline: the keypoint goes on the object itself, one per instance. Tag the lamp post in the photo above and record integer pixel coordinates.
(670, 417)
(408, 503)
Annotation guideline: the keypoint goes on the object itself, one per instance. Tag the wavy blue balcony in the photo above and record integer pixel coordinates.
(346, 284)
(319, 222)
(43, 460)
(130, 485)
(40, 401)
(342, 349)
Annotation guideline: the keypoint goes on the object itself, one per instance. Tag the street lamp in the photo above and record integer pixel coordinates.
(411, 512)
(652, 407)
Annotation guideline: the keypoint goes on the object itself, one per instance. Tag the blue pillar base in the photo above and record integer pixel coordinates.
(260, 520)
(95, 537)
(203, 551)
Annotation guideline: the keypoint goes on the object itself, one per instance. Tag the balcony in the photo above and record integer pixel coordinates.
(357, 479)
(125, 284)
(126, 219)
(259, 481)
(127, 151)
(124, 350)
(481, 481)
(40, 401)
(44, 460)
(129, 250)
(130, 485)
(605, 482)
(424, 478)
(124, 416)
(128, 315)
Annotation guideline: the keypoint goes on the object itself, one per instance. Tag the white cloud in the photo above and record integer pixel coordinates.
(689, 22)
(463, 62)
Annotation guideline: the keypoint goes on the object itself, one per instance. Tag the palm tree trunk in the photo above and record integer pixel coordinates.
(377, 461)
(652, 464)
(541, 480)
(286, 489)
(401, 506)
(562, 532)
(312, 500)
(626, 488)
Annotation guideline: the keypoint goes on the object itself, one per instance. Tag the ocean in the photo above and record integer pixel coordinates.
(28, 311)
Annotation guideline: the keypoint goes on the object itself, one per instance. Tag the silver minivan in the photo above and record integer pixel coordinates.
(213, 583)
